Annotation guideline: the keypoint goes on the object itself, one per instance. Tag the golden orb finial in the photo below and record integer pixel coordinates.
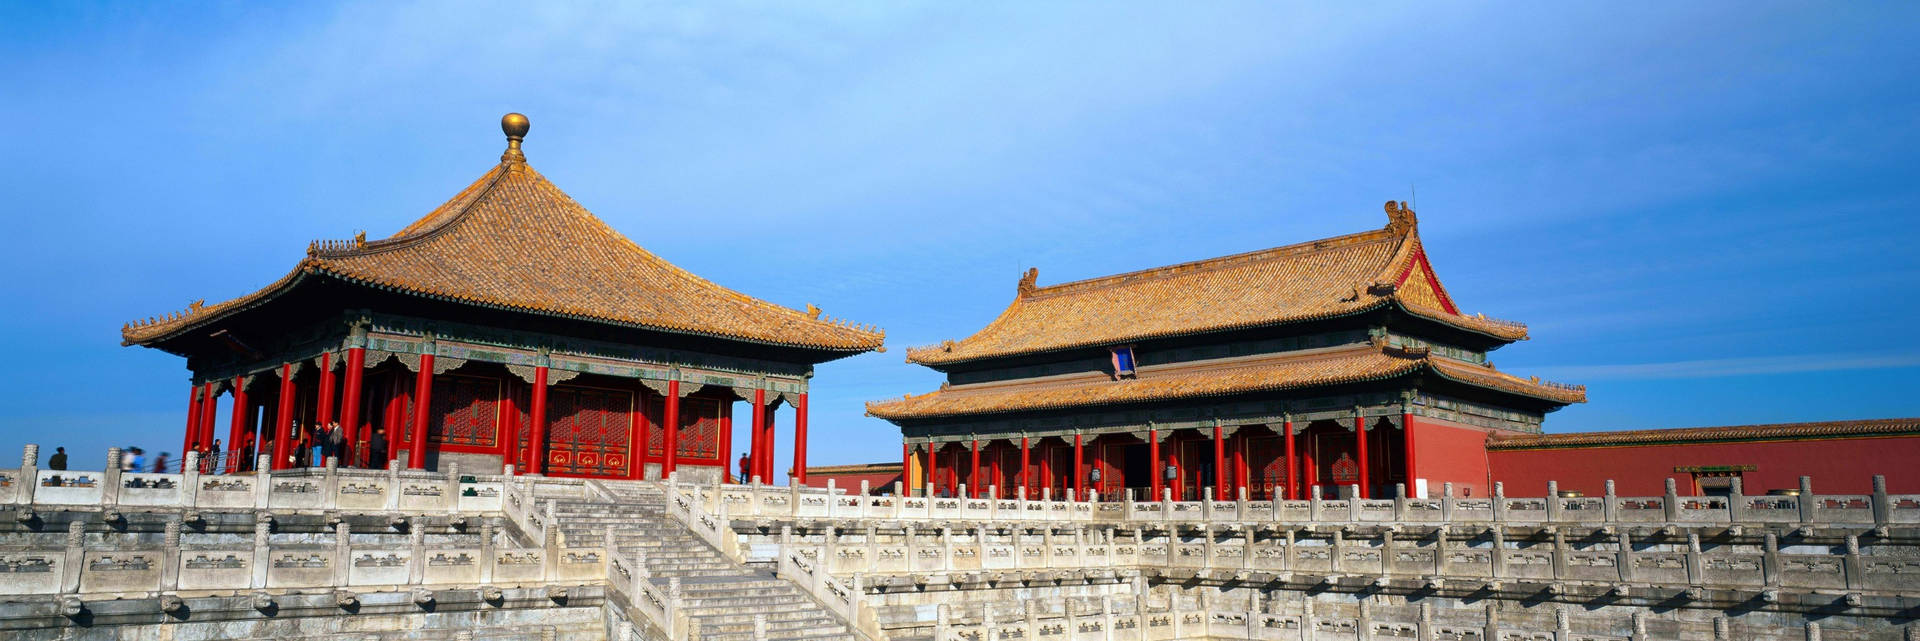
(515, 125)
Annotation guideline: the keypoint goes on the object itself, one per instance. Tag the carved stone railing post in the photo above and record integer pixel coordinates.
(1610, 511)
(76, 554)
(1854, 568)
(1624, 558)
(1694, 560)
(1442, 549)
(1286, 559)
(1806, 500)
(942, 620)
(1559, 554)
(1334, 560)
(1671, 502)
(1736, 500)
(1882, 505)
(417, 542)
(1308, 620)
(1106, 618)
(170, 557)
(190, 480)
(1446, 502)
(1553, 501)
(452, 489)
(1423, 627)
(1499, 552)
(1770, 560)
(1499, 503)
(1640, 626)
(394, 491)
(1562, 627)
(262, 529)
(343, 553)
(29, 473)
(110, 479)
(1400, 502)
(1492, 631)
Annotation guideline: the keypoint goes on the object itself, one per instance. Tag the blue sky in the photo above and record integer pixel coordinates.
(1704, 211)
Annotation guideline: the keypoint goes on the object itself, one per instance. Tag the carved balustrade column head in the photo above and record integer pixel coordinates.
(30, 455)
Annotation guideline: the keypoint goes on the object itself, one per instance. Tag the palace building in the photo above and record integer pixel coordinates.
(509, 328)
(1339, 363)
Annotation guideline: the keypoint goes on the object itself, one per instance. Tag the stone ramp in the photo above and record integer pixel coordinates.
(722, 597)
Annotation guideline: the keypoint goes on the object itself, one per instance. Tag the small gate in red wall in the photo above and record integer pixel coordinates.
(589, 432)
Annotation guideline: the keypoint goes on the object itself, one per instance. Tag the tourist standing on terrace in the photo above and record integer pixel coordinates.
(59, 459)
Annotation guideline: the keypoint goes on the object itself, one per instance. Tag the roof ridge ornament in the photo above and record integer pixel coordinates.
(515, 126)
(1400, 219)
(1027, 281)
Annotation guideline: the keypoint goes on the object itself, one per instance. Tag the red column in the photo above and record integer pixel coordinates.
(1079, 469)
(422, 402)
(350, 404)
(800, 439)
(766, 461)
(191, 442)
(537, 415)
(1179, 472)
(1293, 469)
(283, 420)
(323, 414)
(973, 474)
(1046, 467)
(209, 404)
(996, 488)
(1159, 466)
(726, 442)
(1026, 461)
(1219, 462)
(1406, 436)
(933, 468)
(1360, 436)
(1240, 443)
(757, 436)
(672, 420)
(236, 423)
(906, 468)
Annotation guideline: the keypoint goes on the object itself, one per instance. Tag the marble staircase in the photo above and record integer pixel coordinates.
(723, 598)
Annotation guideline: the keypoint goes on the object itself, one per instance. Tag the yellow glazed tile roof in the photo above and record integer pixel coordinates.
(1320, 279)
(1234, 376)
(513, 240)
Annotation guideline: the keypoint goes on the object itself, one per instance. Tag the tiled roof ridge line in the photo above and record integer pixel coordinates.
(1404, 361)
(1407, 364)
(160, 327)
(400, 242)
(1208, 264)
(1762, 431)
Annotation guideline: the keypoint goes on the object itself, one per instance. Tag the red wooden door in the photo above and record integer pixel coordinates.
(589, 431)
(1267, 457)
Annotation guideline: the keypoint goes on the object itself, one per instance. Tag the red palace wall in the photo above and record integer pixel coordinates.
(1447, 452)
(878, 481)
(1842, 466)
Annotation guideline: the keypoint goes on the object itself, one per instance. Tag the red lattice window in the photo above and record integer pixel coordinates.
(468, 411)
(699, 428)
